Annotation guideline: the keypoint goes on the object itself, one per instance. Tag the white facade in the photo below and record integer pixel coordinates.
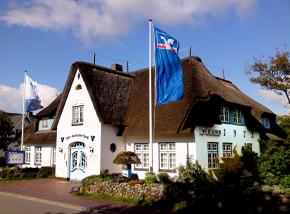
(39, 156)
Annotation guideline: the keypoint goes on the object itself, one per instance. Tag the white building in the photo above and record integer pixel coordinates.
(103, 111)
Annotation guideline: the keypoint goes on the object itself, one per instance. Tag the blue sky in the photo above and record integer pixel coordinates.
(46, 37)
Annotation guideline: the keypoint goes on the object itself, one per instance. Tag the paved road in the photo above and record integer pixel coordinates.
(15, 204)
(55, 191)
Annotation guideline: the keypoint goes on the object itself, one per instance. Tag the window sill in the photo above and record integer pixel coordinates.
(167, 170)
(141, 169)
(77, 124)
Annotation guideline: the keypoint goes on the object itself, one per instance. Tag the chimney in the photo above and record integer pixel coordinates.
(117, 67)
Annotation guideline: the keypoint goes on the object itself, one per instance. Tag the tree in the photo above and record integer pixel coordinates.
(6, 131)
(272, 73)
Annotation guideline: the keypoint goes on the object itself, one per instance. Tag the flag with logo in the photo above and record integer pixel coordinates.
(32, 101)
(169, 84)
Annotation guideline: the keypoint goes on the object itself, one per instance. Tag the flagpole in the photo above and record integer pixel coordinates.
(23, 110)
(150, 100)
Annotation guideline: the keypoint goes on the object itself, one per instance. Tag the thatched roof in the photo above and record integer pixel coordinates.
(40, 138)
(122, 99)
(126, 157)
(50, 110)
(109, 91)
(203, 94)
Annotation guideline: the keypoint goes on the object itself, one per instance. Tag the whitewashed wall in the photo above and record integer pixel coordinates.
(91, 127)
(109, 136)
(227, 136)
(46, 156)
(184, 145)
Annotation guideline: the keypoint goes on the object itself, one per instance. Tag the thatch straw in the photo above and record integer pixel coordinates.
(126, 157)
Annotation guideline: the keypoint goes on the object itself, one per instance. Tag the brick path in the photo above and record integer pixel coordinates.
(59, 191)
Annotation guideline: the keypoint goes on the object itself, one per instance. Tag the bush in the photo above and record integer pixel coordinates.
(230, 169)
(285, 182)
(193, 175)
(273, 164)
(17, 173)
(163, 178)
(46, 172)
(150, 178)
(2, 161)
(250, 160)
(105, 174)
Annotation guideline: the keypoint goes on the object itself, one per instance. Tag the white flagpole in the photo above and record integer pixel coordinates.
(23, 110)
(150, 100)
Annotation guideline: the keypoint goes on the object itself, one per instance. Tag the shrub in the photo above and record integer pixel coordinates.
(2, 161)
(105, 174)
(193, 175)
(230, 169)
(285, 182)
(163, 177)
(150, 178)
(30, 172)
(46, 172)
(250, 160)
(273, 165)
(16, 173)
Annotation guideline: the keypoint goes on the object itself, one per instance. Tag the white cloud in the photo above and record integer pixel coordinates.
(90, 19)
(275, 98)
(11, 98)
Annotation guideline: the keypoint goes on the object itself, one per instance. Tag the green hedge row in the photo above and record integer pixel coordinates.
(19, 173)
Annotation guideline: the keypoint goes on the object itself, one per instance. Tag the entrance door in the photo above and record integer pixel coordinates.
(78, 161)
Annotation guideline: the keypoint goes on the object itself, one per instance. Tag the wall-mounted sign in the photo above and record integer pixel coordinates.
(92, 137)
(15, 157)
(209, 132)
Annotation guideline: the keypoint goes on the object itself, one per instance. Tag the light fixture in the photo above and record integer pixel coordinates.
(91, 150)
(60, 150)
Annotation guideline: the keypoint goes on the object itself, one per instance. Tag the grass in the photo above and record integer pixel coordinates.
(115, 198)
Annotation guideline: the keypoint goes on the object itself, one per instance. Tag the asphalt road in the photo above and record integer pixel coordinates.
(16, 204)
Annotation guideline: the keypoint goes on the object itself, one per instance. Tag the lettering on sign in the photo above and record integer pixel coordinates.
(210, 132)
(75, 136)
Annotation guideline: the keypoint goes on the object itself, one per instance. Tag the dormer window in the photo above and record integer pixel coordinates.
(237, 116)
(78, 115)
(265, 122)
(78, 87)
(224, 114)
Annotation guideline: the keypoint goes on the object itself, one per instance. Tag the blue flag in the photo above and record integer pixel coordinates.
(32, 101)
(169, 85)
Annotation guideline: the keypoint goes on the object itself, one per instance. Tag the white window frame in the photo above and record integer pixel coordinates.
(27, 154)
(38, 155)
(142, 151)
(237, 116)
(227, 150)
(225, 114)
(77, 114)
(213, 155)
(167, 156)
(53, 156)
(44, 122)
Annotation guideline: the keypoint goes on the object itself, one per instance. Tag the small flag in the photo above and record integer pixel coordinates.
(32, 101)
(169, 85)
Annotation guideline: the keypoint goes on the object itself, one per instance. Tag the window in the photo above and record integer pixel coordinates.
(45, 122)
(212, 149)
(167, 156)
(227, 150)
(224, 114)
(265, 122)
(37, 159)
(78, 115)
(237, 114)
(142, 151)
(27, 154)
(78, 87)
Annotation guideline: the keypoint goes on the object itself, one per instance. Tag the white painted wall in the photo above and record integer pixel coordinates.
(109, 136)
(227, 136)
(184, 145)
(91, 127)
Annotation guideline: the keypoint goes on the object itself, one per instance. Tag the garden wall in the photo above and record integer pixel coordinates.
(153, 192)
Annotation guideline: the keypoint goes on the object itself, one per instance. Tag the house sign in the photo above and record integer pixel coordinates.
(209, 132)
